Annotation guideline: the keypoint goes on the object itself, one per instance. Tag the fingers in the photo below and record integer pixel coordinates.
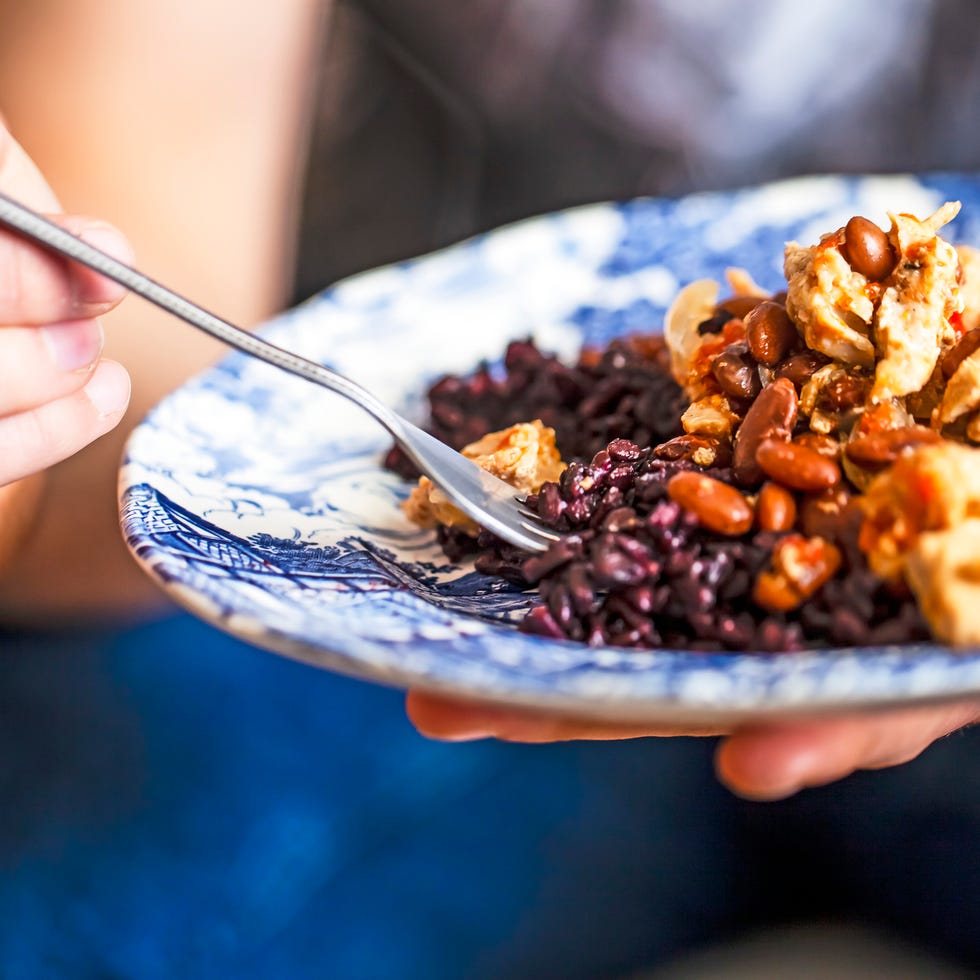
(34, 440)
(776, 761)
(42, 364)
(454, 720)
(762, 763)
(37, 287)
(56, 395)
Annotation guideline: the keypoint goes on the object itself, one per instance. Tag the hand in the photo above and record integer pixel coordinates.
(762, 761)
(56, 392)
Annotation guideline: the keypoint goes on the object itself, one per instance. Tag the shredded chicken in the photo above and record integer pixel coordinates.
(943, 570)
(912, 321)
(709, 416)
(932, 488)
(525, 456)
(898, 327)
(830, 303)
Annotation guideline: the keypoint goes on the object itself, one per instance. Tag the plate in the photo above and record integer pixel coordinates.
(258, 501)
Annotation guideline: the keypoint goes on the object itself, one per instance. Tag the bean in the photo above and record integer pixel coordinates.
(771, 416)
(717, 506)
(801, 367)
(770, 333)
(736, 372)
(825, 445)
(796, 466)
(775, 593)
(867, 249)
(703, 450)
(775, 508)
(801, 566)
(876, 450)
(844, 393)
(829, 513)
(954, 356)
(739, 306)
(807, 562)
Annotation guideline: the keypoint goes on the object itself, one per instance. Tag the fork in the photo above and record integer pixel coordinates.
(488, 500)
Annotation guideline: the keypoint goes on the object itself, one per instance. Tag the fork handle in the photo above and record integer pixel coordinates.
(39, 229)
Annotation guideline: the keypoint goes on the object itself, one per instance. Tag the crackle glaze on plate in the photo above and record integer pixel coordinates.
(258, 502)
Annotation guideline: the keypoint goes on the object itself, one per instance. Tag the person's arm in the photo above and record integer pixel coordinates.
(184, 125)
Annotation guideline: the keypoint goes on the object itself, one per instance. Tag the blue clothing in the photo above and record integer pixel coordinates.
(178, 804)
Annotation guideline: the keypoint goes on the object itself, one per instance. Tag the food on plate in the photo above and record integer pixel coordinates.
(922, 525)
(523, 455)
(773, 472)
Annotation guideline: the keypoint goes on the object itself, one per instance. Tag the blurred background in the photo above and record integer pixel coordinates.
(439, 119)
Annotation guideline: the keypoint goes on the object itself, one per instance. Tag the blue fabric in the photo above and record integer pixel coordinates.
(177, 804)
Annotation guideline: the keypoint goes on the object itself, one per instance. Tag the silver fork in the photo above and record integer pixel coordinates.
(488, 500)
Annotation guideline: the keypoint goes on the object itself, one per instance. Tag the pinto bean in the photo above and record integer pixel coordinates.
(867, 249)
(717, 506)
(703, 450)
(771, 416)
(826, 514)
(876, 450)
(820, 443)
(796, 466)
(801, 367)
(844, 393)
(775, 508)
(739, 306)
(801, 567)
(736, 372)
(807, 562)
(775, 593)
(770, 333)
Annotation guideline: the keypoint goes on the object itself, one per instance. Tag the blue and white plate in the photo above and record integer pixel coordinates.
(258, 501)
